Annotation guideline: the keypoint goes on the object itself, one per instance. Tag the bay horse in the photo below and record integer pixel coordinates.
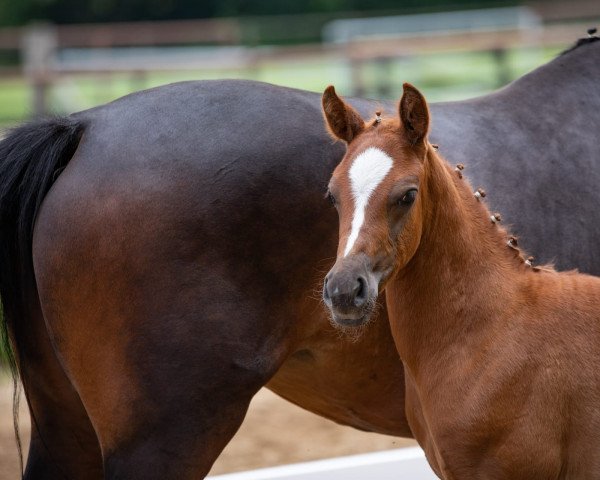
(162, 257)
(502, 358)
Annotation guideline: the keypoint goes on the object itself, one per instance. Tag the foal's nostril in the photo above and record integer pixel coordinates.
(360, 292)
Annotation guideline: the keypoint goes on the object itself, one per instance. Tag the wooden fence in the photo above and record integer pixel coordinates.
(43, 65)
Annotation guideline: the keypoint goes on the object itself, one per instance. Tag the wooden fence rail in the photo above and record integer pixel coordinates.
(43, 66)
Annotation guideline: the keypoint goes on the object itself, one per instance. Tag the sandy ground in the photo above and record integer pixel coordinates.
(274, 432)
(9, 460)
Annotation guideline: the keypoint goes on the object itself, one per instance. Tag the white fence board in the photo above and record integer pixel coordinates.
(397, 464)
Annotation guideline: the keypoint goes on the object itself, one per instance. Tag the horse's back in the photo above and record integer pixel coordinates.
(533, 146)
(226, 173)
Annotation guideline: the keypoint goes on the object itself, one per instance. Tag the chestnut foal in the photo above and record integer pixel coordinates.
(502, 359)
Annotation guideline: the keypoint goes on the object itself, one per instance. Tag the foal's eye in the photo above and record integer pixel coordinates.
(331, 198)
(409, 197)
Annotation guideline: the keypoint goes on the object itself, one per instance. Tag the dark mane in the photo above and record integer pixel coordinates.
(582, 41)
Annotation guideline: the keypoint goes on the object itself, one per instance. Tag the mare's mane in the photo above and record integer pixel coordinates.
(579, 43)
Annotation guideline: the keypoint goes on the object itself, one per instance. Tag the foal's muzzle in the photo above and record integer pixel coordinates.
(350, 291)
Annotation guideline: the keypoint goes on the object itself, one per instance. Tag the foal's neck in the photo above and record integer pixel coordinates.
(463, 274)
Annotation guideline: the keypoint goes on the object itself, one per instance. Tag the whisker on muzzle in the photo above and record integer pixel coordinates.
(355, 333)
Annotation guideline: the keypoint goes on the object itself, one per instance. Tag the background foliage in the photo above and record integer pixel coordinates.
(19, 12)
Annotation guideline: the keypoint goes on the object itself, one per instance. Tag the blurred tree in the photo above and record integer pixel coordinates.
(13, 13)
(19, 12)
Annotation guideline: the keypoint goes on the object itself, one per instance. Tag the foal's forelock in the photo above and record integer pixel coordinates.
(367, 172)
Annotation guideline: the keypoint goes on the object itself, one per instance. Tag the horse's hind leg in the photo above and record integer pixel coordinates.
(165, 365)
(62, 454)
(180, 442)
(63, 443)
(166, 402)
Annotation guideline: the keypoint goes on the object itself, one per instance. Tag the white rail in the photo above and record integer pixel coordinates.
(406, 463)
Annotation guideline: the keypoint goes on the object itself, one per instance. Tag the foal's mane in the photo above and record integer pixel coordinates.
(510, 241)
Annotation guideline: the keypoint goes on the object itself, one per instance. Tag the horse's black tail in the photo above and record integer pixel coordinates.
(31, 157)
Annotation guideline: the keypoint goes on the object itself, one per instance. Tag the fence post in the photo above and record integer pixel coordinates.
(500, 56)
(38, 48)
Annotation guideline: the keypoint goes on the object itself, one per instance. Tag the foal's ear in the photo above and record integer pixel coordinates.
(414, 114)
(343, 121)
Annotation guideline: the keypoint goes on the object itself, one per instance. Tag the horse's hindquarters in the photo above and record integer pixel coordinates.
(157, 337)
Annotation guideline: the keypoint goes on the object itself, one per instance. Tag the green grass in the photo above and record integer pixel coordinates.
(15, 100)
(440, 76)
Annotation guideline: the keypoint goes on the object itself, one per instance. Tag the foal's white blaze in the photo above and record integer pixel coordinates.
(367, 172)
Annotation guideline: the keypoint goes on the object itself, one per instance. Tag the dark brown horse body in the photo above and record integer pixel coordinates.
(501, 357)
(179, 256)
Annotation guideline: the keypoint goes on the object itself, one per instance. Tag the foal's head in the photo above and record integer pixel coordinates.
(375, 189)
